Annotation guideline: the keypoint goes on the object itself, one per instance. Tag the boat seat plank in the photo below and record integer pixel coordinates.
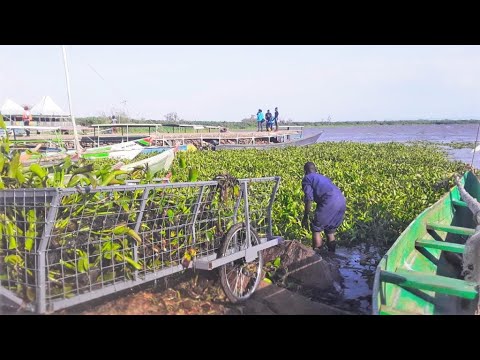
(450, 229)
(387, 310)
(440, 245)
(459, 203)
(423, 281)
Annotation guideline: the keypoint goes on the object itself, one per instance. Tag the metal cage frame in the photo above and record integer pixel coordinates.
(51, 202)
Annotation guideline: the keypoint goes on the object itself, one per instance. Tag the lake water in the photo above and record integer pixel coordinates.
(405, 133)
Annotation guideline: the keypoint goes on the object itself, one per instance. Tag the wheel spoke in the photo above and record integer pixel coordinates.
(249, 273)
(233, 268)
(236, 282)
(241, 282)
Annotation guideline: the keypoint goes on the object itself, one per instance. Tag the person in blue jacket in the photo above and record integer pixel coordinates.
(330, 210)
(260, 120)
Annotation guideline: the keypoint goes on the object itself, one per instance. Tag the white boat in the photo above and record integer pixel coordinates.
(162, 161)
(126, 150)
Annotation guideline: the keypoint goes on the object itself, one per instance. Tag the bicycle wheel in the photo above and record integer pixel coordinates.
(240, 279)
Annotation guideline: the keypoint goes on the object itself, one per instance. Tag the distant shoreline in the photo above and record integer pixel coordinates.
(251, 125)
(393, 122)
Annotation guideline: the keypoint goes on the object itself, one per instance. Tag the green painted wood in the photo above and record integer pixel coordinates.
(405, 253)
(423, 281)
(440, 245)
(450, 229)
(386, 310)
(459, 203)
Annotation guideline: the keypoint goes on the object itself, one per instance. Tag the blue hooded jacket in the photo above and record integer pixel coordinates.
(260, 116)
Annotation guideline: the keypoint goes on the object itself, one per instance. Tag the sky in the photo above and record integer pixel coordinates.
(229, 83)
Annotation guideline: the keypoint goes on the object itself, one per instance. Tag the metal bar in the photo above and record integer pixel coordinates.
(67, 191)
(110, 289)
(72, 117)
(138, 224)
(41, 254)
(10, 296)
(476, 142)
(195, 212)
(141, 209)
(270, 205)
(29, 193)
(205, 263)
(209, 265)
(247, 214)
(237, 205)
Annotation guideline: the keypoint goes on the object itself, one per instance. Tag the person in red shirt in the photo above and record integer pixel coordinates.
(26, 117)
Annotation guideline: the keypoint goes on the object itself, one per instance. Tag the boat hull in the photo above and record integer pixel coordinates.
(162, 161)
(421, 272)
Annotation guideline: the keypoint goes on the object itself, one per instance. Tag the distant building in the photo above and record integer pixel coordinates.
(46, 112)
(11, 111)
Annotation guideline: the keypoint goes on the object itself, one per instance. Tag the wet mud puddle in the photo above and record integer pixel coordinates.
(357, 270)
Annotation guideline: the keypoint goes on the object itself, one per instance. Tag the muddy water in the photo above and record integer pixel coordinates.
(357, 269)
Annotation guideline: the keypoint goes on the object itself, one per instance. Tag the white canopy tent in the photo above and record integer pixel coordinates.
(11, 110)
(47, 110)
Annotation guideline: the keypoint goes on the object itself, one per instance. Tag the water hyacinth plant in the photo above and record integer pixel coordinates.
(386, 185)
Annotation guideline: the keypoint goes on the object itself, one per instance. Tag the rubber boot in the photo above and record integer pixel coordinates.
(331, 246)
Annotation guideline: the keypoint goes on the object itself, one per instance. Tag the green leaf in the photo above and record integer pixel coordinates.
(192, 175)
(133, 263)
(68, 265)
(13, 260)
(276, 262)
(182, 160)
(2, 123)
(38, 170)
(29, 239)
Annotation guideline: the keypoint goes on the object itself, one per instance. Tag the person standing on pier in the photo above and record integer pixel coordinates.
(269, 120)
(114, 122)
(260, 120)
(276, 119)
(26, 117)
(330, 210)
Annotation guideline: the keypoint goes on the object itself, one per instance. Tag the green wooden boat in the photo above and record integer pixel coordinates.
(421, 274)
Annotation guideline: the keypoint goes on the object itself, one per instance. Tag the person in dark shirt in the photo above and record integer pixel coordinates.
(330, 210)
(114, 122)
(276, 119)
(269, 119)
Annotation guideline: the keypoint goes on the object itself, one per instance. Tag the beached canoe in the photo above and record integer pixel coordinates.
(160, 149)
(126, 150)
(129, 154)
(162, 161)
(422, 272)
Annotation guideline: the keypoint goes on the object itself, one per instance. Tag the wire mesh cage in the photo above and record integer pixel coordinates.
(62, 247)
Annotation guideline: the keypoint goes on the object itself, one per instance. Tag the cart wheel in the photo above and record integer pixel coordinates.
(240, 279)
